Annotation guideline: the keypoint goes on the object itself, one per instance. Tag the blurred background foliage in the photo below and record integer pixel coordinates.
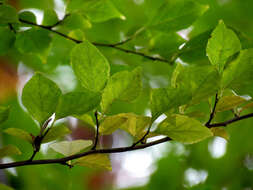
(212, 164)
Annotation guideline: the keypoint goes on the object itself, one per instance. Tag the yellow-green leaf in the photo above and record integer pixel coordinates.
(229, 102)
(68, 148)
(132, 123)
(19, 133)
(56, 132)
(221, 132)
(100, 161)
(124, 85)
(90, 66)
(9, 150)
(4, 113)
(183, 129)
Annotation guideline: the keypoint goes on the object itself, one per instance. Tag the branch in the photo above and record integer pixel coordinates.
(213, 111)
(225, 123)
(115, 45)
(97, 132)
(65, 159)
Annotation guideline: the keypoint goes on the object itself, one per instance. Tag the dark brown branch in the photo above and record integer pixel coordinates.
(115, 46)
(213, 111)
(97, 132)
(235, 119)
(65, 159)
(59, 22)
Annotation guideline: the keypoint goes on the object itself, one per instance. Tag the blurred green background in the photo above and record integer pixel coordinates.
(214, 164)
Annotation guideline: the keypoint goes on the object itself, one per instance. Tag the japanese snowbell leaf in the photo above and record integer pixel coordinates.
(96, 11)
(27, 16)
(176, 15)
(7, 39)
(86, 118)
(124, 85)
(8, 14)
(99, 161)
(90, 66)
(129, 122)
(5, 187)
(201, 81)
(165, 99)
(68, 148)
(4, 113)
(76, 21)
(238, 75)
(183, 129)
(229, 102)
(33, 41)
(50, 17)
(221, 132)
(223, 44)
(24, 135)
(40, 96)
(247, 106)
(68, 104)
(56, 132)
(9, 150)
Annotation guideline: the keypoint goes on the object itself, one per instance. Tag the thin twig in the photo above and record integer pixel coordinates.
(65, 159)
(115, 46)
(97, 132)
(213, 111)
(59, 22)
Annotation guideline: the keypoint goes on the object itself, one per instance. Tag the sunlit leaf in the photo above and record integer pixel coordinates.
(68, 148)
(56, 132)
(9, 150)
(19, 133)
(223, 44)
(100, 161)
(90, 66)
(229, 102)
(221, 132)
(132, 123)
(50, 17)
(40, 96)
(183, 129)
(124, 85)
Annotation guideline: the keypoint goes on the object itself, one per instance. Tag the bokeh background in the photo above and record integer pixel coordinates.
(215, 164)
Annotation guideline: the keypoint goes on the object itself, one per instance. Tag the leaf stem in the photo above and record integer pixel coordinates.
(213, 111)
(97, 131)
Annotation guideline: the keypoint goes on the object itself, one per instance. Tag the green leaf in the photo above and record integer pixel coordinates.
(183, 129)
(90, 66)
(68, 148)
(69, 106)
(176, 15)
(96, 10)
(132, 123)
(223, 44)
(165, 99)
(33, 41)
(5, 187)
(201, 81)
(20, 134)
(76, 21)
(8, 14)
(124, 85)
(99, 161)
(40, 96)
(7, 39)
(27, 16)
(9, 150)
(4, 113)
(238, 75)
(229, 102)
(50, 17)
(56, 132)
